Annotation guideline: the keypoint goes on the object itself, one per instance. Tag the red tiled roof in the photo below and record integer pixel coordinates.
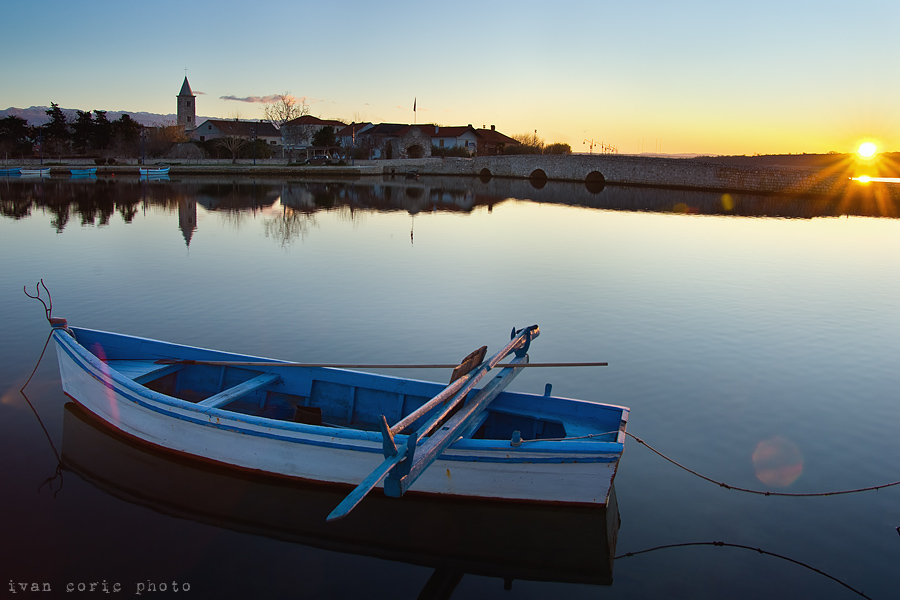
(431, 131)
(448, 132)
(389, 129)
(495, 137)
(243, 128)
(352, 128)
(311, 120)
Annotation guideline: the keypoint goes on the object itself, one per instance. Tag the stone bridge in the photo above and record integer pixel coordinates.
(596, 170)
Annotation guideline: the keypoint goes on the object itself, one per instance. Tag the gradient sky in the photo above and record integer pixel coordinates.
(694, 76)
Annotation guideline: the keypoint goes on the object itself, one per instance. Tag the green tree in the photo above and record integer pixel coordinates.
(324, 137)
(15, 137)
(56, 133)
(102, 133)
(558, 148)
(126, 136)
(82, 131)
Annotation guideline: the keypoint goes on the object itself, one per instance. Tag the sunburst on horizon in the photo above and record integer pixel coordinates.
(867, 149)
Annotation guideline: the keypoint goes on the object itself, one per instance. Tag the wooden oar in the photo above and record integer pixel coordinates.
(401, 477)
(395, 455)
(246, 363)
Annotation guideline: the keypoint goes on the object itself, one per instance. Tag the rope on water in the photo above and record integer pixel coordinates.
(742, 547)
(58, 474)
(760, 492)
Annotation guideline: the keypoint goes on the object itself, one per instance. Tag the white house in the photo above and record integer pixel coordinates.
(212, 129)
(453, 137)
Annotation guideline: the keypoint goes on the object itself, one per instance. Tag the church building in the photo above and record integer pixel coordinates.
(187, 107)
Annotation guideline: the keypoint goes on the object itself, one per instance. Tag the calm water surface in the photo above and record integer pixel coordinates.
(755, 339)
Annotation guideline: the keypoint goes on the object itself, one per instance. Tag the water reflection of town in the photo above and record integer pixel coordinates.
(290, 205)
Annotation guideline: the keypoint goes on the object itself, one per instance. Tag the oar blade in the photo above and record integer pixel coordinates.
(367, 485)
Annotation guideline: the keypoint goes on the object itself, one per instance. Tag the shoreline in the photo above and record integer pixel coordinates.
(722, 174)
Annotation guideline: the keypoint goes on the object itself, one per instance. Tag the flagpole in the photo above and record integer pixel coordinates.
(415, 122)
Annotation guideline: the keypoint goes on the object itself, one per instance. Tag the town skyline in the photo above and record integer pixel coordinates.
(651, 77)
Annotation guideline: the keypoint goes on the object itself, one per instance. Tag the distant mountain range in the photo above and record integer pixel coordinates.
(37, 115)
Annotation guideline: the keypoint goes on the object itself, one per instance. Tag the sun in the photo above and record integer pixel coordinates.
(867, 149)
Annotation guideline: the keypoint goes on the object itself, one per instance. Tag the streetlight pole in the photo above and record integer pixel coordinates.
(253, 140)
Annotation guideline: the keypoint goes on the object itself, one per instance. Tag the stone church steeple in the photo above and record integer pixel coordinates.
(187, 107)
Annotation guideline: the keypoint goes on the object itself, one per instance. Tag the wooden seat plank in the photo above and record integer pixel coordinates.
(142, 371)
(242, 389)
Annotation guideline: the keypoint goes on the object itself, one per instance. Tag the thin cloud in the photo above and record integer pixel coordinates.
(253, 99)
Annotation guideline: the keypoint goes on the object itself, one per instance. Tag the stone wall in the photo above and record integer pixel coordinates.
(636, 170)
(590, 171)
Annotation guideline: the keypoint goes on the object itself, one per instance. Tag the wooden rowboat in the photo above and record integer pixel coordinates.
(39, 172)
(154, 171)
(90, 171)
(11, 171)
(350, 428)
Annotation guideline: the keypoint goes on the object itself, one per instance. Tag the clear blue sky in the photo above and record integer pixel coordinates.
(679, 77)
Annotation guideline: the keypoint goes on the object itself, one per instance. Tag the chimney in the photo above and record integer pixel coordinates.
(493, 128)
(435, 129)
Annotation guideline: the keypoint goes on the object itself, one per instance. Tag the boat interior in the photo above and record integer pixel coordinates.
(317, 396)
(335, 397)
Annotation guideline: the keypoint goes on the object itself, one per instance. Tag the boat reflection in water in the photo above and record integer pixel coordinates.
(508, 541)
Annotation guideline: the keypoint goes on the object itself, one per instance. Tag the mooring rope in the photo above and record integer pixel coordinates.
(575, 437)
(48, 310)
(58, 473)
(743, 547)
(760, 492)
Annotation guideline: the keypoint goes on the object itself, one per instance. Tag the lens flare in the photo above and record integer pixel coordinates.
(9, 398)
(777, 462)
(727, 203)
(113, 409)
(867, 149)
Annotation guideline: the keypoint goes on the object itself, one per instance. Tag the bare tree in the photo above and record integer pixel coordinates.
(285, 108)
(159, 140)
(233, 144)
(530, 139)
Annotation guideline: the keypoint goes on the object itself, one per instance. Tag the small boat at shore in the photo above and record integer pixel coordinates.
(153, 171)
(82, 172)
(347, 428)
(10, 171)
(35, 172)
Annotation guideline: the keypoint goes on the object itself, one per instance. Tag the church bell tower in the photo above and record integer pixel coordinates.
(187, 107)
